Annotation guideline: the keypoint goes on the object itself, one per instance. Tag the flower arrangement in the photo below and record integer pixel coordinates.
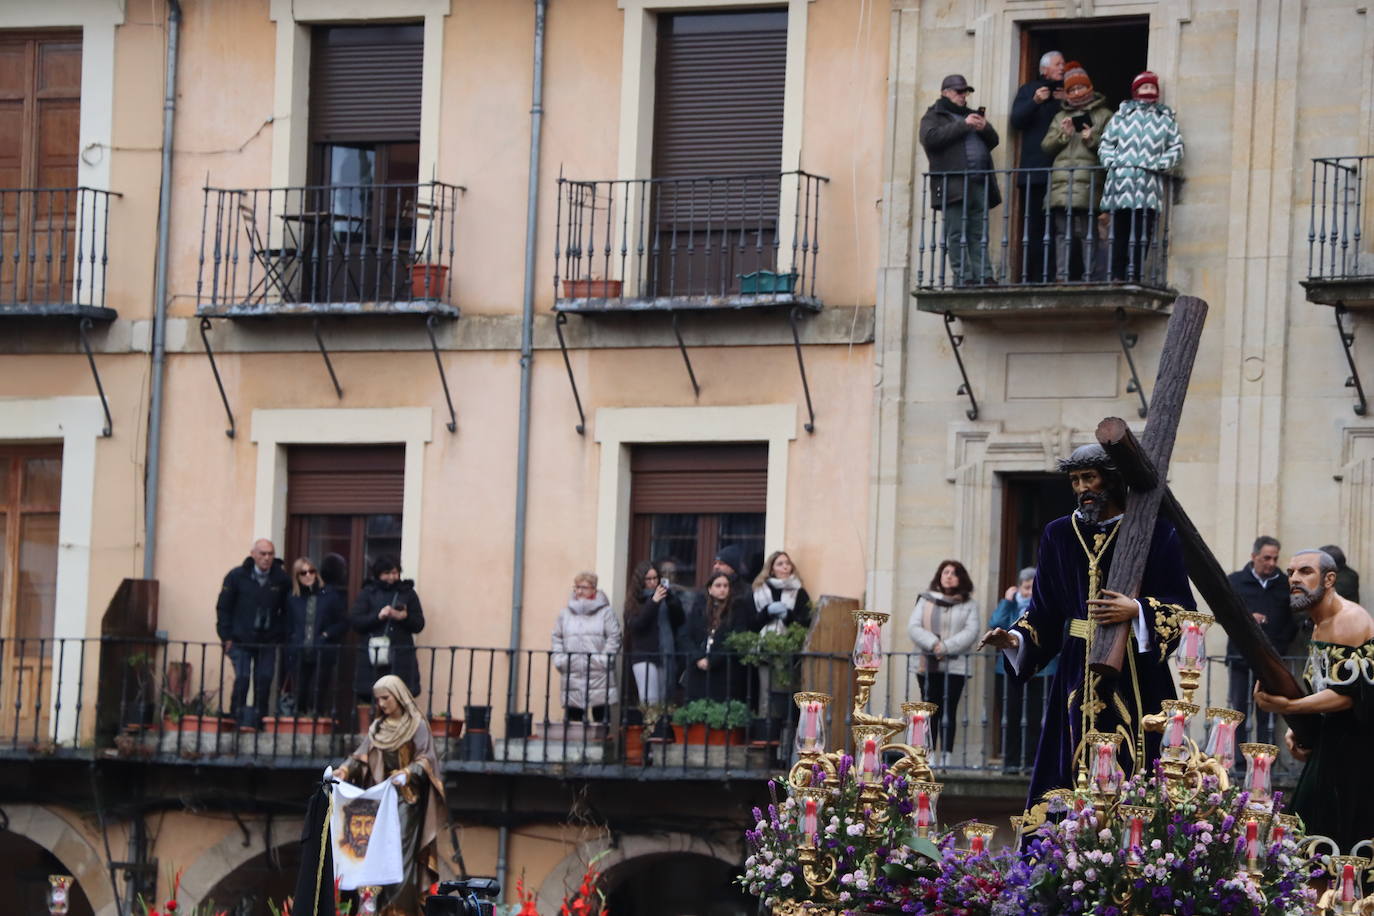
(171, 907)
(586, 900)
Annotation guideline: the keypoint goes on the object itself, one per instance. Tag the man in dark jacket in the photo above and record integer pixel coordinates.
(1032, 112)
(250, 622)
(959, 142)
(1264, 589)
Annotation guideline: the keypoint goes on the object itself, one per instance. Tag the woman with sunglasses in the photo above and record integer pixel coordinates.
(316, 620)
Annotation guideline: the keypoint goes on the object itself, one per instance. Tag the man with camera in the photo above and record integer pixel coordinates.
(959, 142)
(1033, 112)
(250, 619)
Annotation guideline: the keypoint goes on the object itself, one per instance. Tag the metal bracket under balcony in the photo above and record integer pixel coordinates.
(1024, 260)
(1340, 268)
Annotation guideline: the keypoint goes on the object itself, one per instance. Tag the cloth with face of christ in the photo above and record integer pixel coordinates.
(365, 828)
(1056, 625)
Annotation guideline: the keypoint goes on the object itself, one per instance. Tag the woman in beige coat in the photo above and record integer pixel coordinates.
(944, 626)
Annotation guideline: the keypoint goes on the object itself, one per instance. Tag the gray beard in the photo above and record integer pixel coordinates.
(1306, 599)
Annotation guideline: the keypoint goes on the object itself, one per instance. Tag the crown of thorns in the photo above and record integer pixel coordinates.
(1085, 457)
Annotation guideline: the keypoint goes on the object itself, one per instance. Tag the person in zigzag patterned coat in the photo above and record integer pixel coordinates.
(1142, 143)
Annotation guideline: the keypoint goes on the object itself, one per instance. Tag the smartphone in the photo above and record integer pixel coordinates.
(1081, 121)
(982, 111)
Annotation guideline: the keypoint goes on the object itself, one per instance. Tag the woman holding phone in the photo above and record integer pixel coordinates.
(1075, 190)
(387, 615)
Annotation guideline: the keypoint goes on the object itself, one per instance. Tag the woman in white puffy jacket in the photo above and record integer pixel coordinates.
(586, 649)
(944, 626)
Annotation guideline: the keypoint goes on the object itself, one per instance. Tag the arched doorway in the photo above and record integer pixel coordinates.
(676, 884)
(267, 876)
(24, 879)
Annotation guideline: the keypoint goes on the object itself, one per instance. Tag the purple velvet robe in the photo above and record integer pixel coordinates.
(1060, 595)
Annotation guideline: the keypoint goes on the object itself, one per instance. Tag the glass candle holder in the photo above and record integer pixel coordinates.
(1221, 734)
(918, 717)
(1106, 774)
(1134, 819)
(1285, 825)
(868, 754)
(59, 894)
(367, 899)
(1191, 653)
(978, 836)
(1259, 766)
(811, 818)
(1256, 825)
(813, 711)
(925, 796)
(1347, 871)
(868, 640)
(1179, 715)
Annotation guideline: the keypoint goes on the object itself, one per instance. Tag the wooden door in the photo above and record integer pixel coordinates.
(30, 494)
(40, 129)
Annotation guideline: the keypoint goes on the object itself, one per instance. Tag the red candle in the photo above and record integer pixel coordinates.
(917, 736)
(1104, 765)
(1176, 725)
(1252, 839)
(1348, 884)
(1192, 638)
(1259, 776)
(977, 843)
(868, 763)
(811, 723)
(1137, 831)
(810, 826)
(922, 809)
(1276, 834)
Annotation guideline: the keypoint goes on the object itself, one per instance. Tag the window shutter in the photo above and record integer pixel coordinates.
(699, 479)
(365, 83)
(345, 480)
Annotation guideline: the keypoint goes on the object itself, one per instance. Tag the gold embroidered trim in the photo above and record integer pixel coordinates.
(1166, 622)
(1025, 624)
(1080, 627)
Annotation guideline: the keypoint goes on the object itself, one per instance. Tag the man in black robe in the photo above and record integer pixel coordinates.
(1068, 603)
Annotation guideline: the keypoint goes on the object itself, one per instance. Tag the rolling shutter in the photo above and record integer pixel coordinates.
(365, 83)
(345, 480)
(699, 479)
(719, 93)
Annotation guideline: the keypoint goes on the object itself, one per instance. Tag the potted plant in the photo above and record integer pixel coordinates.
(198, 713)
(775, 653)
(427, 281)
(589, 288)
(298, 725)
(442, 725)
(141, 710)
(710, 722)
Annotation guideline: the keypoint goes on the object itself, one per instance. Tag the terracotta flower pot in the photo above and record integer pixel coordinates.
(591, 289)
(427, 280)
(445, 727)
(634, 745)
(701, 733)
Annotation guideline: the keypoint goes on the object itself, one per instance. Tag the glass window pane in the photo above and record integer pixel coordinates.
(5, 463)
(744, 529)
(327, 544)
(384, 526)
(37, 591)
(42, 481)
(675, 535)
(382, 538)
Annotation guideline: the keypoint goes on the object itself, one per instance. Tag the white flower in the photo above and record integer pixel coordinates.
(845, 896)
(761, 826)
(861, 882)
(749, 862)
(1104, 835)
(1156, 844)
(847, 878)
(1090, 874)
(1078, 887)
(854, 829)
(786, 879)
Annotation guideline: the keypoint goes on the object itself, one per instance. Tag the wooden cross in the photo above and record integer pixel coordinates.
(1144, 465)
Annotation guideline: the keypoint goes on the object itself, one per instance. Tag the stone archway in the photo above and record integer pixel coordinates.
(66, 841)
(630, 847)
(231, 852)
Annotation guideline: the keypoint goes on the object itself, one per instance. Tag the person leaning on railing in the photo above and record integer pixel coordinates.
(959, 142)
(1076, 182)
(712, 672)
(316, 620)
(944, 625)
(1021, 702)
(1141, 143)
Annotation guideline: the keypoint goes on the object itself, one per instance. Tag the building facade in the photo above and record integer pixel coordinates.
(513, 293)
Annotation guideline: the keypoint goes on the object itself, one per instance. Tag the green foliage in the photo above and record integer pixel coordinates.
(776, 650)
(202, 704)
(713, 713)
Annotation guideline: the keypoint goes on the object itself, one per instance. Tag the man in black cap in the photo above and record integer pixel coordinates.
(959, 142)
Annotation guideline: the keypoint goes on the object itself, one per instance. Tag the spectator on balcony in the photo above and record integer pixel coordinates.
(398, 746)
(944, 626)
(586, 646)
(1140, 145)
(1075, 190)
(250, 621)
(316, 620)
(653, 625)
(712, 672)
(1263, 588)
(1033, 112)
(387, 615)
(1023, 704)
(779, 598)
(959, 142)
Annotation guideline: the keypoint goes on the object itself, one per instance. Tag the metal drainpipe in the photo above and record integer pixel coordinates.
(164, 216)
(522, 455)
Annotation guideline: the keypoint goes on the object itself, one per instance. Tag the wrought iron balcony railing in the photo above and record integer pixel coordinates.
(1031, 240)
(304, 249)
(1335, 224)
(53, 250)
(173, 702)
(713, 240)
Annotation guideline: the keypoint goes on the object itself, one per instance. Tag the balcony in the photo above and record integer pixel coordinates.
(328, 250)
(1340, 271)
(166, 702)
(1005, 264)
(687, 244)
(53, 252)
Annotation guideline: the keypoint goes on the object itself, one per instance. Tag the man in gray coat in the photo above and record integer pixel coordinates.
(959, 142)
